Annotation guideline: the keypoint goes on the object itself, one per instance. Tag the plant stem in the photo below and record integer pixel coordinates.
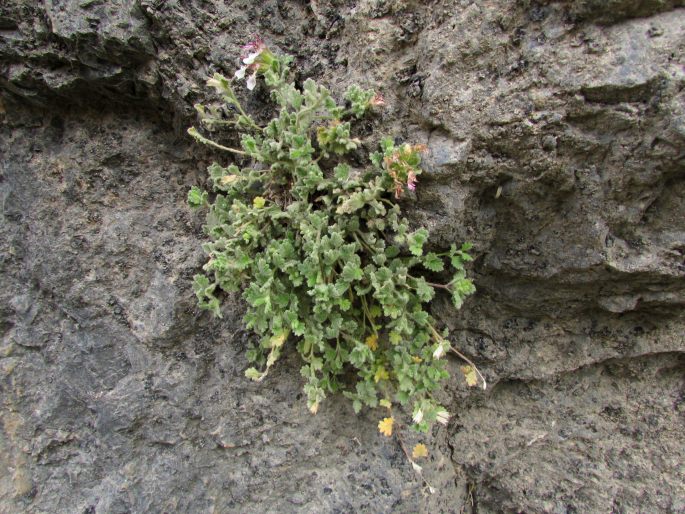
(195, 134)
(441, 286)
(440, 339)
(463, 357)
(367, 313)
(433, 284)
(417, 469)
(316, 105)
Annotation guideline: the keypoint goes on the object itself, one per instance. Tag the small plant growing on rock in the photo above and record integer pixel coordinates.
(319, 249)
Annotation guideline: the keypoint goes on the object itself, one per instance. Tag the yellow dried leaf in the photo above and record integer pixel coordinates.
(470, 375)
(419, 451)
(229, 179)
(278, 340)
(385, 426)
(416, 359)
(381, 374)
(372, 342)
(385, 403)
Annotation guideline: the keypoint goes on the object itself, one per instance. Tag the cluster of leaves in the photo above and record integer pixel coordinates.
(320, 250)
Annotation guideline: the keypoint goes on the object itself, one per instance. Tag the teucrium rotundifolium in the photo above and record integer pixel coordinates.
(319, 249)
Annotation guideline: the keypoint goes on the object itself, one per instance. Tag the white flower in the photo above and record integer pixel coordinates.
(252, 61)
(442, 417)
(252, 81)
(252, 50)
(251, 57)
(418, 416)
(439, 351)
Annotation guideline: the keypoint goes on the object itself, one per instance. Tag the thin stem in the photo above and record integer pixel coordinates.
(367, 313)
(417, 469)
(316, 105)
(195, 134)
(210, 122)
(433, 284)
(242, 111)
(440, 339)
(362, 242)
(465, 358)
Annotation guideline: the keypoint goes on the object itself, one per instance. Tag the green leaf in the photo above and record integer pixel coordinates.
(341, 172)
(360, 355)
(432, 262)
(357, 406)
(254, 374)
(424, 291)
(197, 197)
(416, 240)
(351, 204)
(388, 145)
(249, 144)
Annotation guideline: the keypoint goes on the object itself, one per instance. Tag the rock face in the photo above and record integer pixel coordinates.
(556, 136)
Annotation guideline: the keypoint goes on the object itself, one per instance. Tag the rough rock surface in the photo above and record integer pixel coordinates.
(556, 135)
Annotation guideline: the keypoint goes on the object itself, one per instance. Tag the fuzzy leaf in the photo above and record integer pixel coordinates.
(254, 374)
(432, 262)
(416, 241)
(197, 197)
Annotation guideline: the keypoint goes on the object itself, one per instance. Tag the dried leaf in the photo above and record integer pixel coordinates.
(385, 426)
(229, 179)
(372, 342)
(381, 374)
(278, 340)
(419, 451)
(385, 403)
(470, 375)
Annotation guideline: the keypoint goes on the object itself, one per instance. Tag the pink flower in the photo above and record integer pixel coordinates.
(398, 190)
(377, 100)
(252, 50)
(411, 180)
(251, 53)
